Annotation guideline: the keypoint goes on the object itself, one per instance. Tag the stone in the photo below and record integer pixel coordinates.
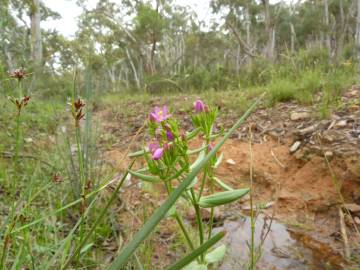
(329, 154)
(294, 147)
(295, 116)
(307, 130)
(230, 161)
(357, 220)
(28, 140)
(341, 124)
(352, 207)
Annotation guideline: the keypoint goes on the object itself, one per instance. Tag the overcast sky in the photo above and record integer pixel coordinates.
(69, 11)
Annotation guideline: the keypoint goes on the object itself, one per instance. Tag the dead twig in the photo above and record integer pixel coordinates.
(277, 160)
(344, 234)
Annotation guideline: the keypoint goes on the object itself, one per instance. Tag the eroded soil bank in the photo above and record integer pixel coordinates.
(301, 165)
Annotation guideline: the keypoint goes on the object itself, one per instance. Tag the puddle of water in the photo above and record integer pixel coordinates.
(281, 250)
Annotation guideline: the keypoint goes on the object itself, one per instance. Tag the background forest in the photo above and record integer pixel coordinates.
(160, 46)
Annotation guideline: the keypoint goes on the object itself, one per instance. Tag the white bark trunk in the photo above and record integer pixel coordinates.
(327, 34)
(136, 78)
(357, 33)
(36, 42)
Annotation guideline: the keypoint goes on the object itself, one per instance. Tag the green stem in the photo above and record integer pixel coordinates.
(180, 221)
(198, 220)
(98, 219)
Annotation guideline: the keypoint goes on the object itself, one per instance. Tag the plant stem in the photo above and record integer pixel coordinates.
(82, 182)
(180, 221)
(198, 220)
(252, 219)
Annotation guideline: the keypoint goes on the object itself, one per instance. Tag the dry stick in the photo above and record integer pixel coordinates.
(277, 160)
(344, 234)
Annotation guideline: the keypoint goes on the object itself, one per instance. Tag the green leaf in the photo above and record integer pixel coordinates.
(121, 260)
(137, 153)
(198, 160)
(144, 177)
(221, 198)
(195, 266)
(216, 255)
(218, 161)
(193, 133)
(86, 248)
(187, 260)
(222, 184)
(193, 183)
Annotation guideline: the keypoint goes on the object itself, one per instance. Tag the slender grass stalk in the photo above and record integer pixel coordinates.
(99, 218)
(67, 206)
(198, 219)
(252, 218)
(180, 221)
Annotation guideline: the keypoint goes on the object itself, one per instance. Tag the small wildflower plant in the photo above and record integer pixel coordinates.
(170, 159)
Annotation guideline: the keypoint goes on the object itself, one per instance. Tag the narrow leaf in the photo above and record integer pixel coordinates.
(221, 198)
(197, 252)
(144, 177)
(222, 184)
(218, 161)
(216, 255)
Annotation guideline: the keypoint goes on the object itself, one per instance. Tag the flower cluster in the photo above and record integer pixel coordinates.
(20, 103)
(163, 129)
(77, 111)
(18, 74)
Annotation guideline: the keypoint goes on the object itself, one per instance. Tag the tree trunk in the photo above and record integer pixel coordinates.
(327, 32)
(36, 43)
(357, 33)
(269, 32)
(136, 78)
(293, 37)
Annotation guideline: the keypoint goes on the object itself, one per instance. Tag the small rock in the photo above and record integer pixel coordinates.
(230, 161)
(296, 145)
(352, 207)
(329, 154)
(28, 140)
(295, 116)
(341, 124)
(357, 220)
(307, 130)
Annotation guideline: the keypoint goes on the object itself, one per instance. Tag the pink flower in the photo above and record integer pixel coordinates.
(199, 106)
(169, 135)
(159, 115)
(156, 151)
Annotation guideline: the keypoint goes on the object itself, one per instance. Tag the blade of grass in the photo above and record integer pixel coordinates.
(197, 252)
(57, 211)
(99, 218)
(160, 213)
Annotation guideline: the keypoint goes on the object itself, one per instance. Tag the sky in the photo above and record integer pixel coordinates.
(69, 12)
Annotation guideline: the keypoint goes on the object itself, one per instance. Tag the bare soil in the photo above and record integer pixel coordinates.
(298, 188)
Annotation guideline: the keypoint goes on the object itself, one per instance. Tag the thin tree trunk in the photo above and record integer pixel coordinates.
(357, 33)
(136, 78)
(327, 34)
(36, 43)
(293, 37)
(269, 32)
